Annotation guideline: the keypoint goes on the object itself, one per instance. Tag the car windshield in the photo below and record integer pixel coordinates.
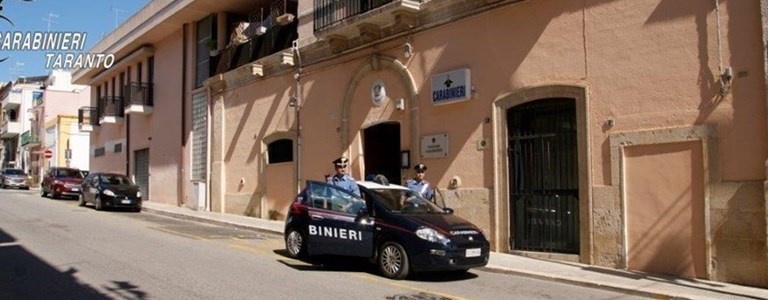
(14, 172)
(115, 179)
(405, 201)
(68, 173)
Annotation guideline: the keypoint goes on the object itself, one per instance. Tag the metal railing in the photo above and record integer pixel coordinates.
(88, 115)
(329, 12)
(138, 93)
(276, 39)
(29, 138)
(111, 106)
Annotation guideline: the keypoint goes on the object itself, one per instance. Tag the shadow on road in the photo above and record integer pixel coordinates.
(325, 263)
(25, 276)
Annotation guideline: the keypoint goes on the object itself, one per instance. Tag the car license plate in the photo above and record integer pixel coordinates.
(126, 201)
(75, 189)
(475, 252)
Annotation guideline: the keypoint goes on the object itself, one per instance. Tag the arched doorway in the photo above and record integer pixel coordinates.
(381, 149)
(544, 176)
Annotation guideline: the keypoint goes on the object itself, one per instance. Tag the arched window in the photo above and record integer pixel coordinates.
(280, 151)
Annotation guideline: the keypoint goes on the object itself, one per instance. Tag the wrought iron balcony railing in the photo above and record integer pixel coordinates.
(111, 106)
(329, 12)
(88, 115)
(29, 139)
(138, 93)
(275, 39)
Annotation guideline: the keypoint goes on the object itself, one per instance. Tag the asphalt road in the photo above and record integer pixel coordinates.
(53, 249)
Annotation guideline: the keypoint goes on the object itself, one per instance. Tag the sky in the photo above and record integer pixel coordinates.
(95, 17)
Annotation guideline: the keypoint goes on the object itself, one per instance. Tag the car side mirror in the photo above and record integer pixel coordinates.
(362, 214)
(448, 210)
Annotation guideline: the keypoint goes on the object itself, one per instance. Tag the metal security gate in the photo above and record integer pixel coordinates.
(141, 172)
(544, 187)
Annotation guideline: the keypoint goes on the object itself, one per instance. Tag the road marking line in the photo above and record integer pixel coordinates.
(178, 233)
(257, 251)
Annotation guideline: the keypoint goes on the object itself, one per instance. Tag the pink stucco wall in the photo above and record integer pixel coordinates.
(65, 102)
(646, 64)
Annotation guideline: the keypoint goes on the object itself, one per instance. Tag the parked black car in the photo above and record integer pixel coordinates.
(110, 190)
(390, 224)
(11, 177)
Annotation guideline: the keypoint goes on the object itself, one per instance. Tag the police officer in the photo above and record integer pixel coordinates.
(341, 179)
(418, 184)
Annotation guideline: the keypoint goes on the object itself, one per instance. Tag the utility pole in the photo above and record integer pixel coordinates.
(50, 20)
(116, 11)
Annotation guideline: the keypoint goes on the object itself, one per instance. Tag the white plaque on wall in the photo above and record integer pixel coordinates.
(434, 145)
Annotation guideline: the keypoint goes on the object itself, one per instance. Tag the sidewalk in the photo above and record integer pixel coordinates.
(631, 282)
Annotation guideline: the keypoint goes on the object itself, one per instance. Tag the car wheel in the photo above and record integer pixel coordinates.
(99, 204)
(81, 200)
(296, 244)
(54, 195)
(393, 261)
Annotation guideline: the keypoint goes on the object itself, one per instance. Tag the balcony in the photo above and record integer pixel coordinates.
(87, 118)
(10, 129)
(111, 110)
(13, 100)
(342, 20)
(29, 140)
(275, 39)
(138, 98)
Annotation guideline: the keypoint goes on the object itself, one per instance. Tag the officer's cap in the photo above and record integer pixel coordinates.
(420, 167)
(341, 161)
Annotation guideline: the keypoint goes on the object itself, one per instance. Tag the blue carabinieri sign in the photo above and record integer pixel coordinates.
(453, 86)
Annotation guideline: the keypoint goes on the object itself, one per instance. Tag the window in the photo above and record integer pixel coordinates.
(280, 151)
(118, 147)
(68, 173)
(151, 69)
(199, 135)
(99, 152)
(205, 33)
(329, 197)
(37, 98)
(139, 72)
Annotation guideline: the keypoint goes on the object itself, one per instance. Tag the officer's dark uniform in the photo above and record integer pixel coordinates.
(421, 187)
(343, 180)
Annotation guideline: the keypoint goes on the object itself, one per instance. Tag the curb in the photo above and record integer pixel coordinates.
(210, 221)
(588, 284)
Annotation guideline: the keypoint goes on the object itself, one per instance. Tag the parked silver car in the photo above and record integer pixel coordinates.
(14, 178)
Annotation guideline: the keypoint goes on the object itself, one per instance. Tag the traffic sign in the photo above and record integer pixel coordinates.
(48, 153)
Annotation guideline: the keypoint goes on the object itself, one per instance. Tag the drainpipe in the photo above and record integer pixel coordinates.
(764, 29)
(297, 105)
(180, 180)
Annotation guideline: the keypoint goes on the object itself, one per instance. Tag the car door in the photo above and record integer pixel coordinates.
(91, 189)
(335, 226)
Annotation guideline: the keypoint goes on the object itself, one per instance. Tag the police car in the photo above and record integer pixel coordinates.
(390, 224)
